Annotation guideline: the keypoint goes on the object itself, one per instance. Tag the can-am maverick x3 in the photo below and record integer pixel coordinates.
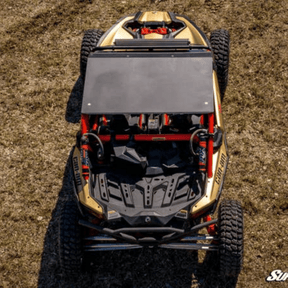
(150, 160)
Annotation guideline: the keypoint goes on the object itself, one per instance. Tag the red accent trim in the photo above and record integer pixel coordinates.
(211, 229)
(202, 119)
(122, 137)
(140, 121)
(84, 123)
(105, 138)
(210, 145)
(166, 120)
(162, 31)
(104, 120)
(145, 31)
(95, 124)
(150, 137)
(203, 144)
(85, 147)
(162, 137)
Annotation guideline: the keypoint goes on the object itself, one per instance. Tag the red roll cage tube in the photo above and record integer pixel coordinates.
(144, 137)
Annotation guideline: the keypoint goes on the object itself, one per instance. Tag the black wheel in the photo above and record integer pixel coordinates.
(90, 40)
(70, 246)
(220, 42)
(231, 238)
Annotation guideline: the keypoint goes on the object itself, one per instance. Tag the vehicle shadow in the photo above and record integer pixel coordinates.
(74, 104)
(132, 268)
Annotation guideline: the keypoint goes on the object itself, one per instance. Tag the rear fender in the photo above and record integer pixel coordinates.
(82, 186)
(214, 184)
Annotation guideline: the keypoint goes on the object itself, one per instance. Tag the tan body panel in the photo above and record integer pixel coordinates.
(117, 32)
(82, 187)
(213, 184)
(190, 32)
(88, 201)
(153, 36)
(220, 159)
(154, 16)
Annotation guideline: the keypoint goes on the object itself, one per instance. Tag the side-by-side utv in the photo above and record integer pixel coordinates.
(150, 160)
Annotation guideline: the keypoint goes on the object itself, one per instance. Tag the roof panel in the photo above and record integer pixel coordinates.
(118, 83)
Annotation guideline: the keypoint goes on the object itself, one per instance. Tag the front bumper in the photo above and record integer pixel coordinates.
(161, 237)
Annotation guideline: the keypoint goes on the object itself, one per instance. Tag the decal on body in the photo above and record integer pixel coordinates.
(77, 173)
(220, 168)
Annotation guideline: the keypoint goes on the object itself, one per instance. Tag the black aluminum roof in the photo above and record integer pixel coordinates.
(148, 82)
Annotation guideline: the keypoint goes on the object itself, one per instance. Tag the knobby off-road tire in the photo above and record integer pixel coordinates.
(231, 238)
(220, 42)
(70, 246)
(90, 40)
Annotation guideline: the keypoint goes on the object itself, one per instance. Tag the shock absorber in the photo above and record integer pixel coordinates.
(84, 146)
(201, 151)
(210, 144)
(202, 158)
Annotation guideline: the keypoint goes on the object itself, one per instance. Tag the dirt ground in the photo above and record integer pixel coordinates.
(39, 63)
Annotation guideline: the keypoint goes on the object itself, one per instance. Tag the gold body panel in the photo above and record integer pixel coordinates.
(82, 186)
(88, 201)
(154, 16)
(190, 32)
(153, 36)
(220, 159)
(116, 32)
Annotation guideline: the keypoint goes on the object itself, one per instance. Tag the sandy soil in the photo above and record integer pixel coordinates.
(39, 44)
